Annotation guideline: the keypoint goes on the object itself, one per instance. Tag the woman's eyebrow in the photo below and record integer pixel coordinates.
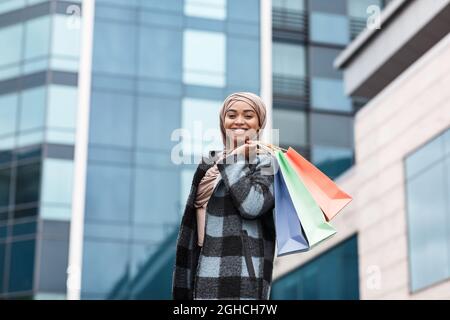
(246, 110)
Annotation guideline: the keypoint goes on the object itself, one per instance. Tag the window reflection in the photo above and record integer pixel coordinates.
(5, 180)
(21, 266)
(111, 119)
(110, 40)
(332, 161)
(108, 266)
(212, 9)
(329, 28)
(427, 191)
(27, 183)
(329, 94)
(57, 180)
(37, 37)
(291, 125)
(12, 52)
(108, 193)
(32, 112)
(338, 278)
(204, 65)
(8, 113)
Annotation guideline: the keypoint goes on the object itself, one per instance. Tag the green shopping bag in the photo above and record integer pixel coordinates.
(316, 228)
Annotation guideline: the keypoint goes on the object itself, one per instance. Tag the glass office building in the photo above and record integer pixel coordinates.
(155, 66)
(38, 96)
(308, 93)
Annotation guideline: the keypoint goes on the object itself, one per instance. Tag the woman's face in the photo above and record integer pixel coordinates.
(241, 122)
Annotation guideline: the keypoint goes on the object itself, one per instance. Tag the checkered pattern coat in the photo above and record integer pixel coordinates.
(236, 259)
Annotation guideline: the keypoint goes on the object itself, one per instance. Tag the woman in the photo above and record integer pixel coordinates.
(226, 242)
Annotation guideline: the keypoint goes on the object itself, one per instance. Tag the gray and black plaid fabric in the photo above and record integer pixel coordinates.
(236, 259)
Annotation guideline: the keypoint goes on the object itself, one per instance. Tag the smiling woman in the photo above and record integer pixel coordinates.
(226, 243)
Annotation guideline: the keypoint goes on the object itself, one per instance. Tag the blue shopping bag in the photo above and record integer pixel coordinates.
(289, 232)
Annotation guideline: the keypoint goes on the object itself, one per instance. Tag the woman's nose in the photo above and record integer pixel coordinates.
(239, 119)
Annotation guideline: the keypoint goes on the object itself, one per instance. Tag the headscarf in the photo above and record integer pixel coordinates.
(252, 100)
(208, 182)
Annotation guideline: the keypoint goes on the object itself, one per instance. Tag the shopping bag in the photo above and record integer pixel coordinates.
(311, 217)
(330, 198)
(289, 232)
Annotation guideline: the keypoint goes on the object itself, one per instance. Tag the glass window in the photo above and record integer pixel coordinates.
(291, 125)
(111, 203)
(331, 160)
(291, 5)
(428, 235)
(335, 6)
(328, 94)
(425, 157)
(111, 119)
(200, 117)
(358, 8)
(105, 265)
(62, 106)
(31, 2)
(23, 229)
(30, 138)
(114, 48)
(53, 269)
(12, 52)
(243, 64)
(57, 179)
(247, 11)
(32, 112)
(22, 266)
(321, 62)
(8, 113)
(27, 183)
(332, 275)
(204, 64)
(2, 263)
(212, 9)
(154, 128)
(332, 130)
(37, 37)
(160, 58)
(5, 180)
(428, 190)
(447, 142)
(65, 41)
(25, 213)
(161, 207)
(329, 28)
(10, 5)
(288, 60)
(56, 212)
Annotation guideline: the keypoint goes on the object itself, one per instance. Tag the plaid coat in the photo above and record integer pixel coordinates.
(236, 259)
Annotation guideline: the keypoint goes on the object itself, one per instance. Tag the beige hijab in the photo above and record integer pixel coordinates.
(212, 176)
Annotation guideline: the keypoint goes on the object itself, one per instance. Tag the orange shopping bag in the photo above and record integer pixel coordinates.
(327, 194)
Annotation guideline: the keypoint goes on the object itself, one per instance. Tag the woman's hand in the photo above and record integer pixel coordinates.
(248, 149)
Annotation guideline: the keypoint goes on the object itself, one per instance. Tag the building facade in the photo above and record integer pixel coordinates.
(38, 102)
(400, 182)
(90, 197)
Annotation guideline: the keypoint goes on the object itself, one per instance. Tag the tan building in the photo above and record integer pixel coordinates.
(400, 182)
